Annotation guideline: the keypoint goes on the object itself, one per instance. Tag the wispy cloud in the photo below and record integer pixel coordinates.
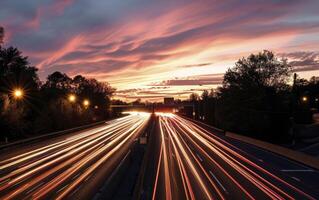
(303, 60)
(139, 43)
(207, 79)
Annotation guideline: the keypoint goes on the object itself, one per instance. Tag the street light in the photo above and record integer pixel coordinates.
(304, 98)
(86, 102)
(18, 93)
(72, 98)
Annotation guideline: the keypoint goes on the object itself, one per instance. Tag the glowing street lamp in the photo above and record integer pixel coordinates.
(86, 103)
(304, 99)
(18, 93)
(72, 98)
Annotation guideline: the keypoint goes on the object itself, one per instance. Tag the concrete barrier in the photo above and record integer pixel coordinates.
(289, 153)
(138, 189)
(49, 135)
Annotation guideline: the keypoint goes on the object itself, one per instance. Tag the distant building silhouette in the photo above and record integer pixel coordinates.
(168, 100)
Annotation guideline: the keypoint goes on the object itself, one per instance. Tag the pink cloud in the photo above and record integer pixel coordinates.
(152, 43)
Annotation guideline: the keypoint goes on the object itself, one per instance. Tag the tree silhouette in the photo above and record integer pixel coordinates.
(253, 98)
(15, 72)
(260, 70)
(194, 97)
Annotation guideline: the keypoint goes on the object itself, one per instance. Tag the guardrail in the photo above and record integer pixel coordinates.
(49, 135)
(282, 151)
(289, 153)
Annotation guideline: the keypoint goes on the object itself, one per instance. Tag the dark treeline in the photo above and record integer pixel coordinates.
(260, 97)
(58, 103)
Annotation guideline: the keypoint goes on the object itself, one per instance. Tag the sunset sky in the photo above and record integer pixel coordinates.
(154, 48)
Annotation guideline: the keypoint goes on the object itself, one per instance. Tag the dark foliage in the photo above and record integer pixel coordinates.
(15, 72)
(256, 99)
(45, 107)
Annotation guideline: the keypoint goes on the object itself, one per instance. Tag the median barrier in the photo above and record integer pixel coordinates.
(138, 190)
(289, 153)
(110, 188)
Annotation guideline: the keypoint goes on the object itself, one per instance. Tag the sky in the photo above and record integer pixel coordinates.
(151, 49)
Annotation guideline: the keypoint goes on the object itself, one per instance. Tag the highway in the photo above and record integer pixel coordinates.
(72, 166)
(193, 163)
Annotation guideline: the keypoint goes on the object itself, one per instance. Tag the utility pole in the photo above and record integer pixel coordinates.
(292, 105)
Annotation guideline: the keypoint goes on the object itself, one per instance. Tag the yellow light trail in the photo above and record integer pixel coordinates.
(209, 167)
(66, 163)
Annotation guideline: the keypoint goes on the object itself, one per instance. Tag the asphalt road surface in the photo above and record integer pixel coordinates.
(185, 161)
(193, 163)
(69, 167)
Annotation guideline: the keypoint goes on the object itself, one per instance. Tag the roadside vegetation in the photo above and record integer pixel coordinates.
(29, 106)
(260, 97)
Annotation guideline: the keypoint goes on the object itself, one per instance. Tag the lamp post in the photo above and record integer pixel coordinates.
(18, 94)
(72, 98)
(86, 102)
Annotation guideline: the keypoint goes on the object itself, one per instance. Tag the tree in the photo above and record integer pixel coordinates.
(16, 72)
(194, 97)
(59, 80)
(205, 95)
(302, 110)
(55, 94)
(253, 98)
(98, 92)
(45, 108)
(260, 70)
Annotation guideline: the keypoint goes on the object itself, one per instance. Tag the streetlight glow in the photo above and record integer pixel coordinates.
(18, 93)
(72, 97)
(304, 98)
(86, 102)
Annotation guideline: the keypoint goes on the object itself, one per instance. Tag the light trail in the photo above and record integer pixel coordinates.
(209, 167)
(58, 169)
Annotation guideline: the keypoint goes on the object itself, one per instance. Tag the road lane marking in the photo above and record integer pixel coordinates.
(297, 179)
(62, 188)
(199, 157)
(34, 188)
(75, 191)
(17, 183)
(76, 176)
(219, 183)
